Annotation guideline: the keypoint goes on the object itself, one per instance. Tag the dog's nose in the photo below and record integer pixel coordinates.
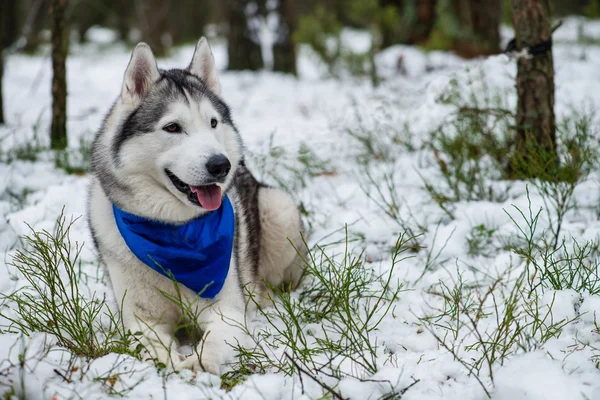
(218, 166)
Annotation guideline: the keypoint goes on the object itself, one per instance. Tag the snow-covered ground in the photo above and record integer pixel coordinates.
(297, 134)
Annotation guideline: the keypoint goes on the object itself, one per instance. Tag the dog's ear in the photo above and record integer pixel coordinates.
(141, 73)
(203, 66)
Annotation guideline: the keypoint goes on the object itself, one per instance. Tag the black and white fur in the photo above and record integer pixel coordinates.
(132, 153)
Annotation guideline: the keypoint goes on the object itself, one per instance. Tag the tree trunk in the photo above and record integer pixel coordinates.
(412, 30)
(425, 18)
(40, 10)
(480, 27)
(188, 19)
(125, 10)
(242, 42)
(536, 131)
(8, 34)
(60, 37)
(1, 95)
(3, 13)
(284, 50)
(9, 14)
(153, 19)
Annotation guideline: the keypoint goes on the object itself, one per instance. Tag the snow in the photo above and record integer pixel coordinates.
(273, 110)
(519, 380)
(590, 309)
(100, 35)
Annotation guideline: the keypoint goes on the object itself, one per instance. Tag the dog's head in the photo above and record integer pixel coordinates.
(168, 149)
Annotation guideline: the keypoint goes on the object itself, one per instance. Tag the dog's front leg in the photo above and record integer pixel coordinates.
(158, 343)
(147, 313)
(222, 331)
(222, 324)
(155, 326)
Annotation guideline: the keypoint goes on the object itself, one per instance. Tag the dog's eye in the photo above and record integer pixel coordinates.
(213, 123)
(172, 128)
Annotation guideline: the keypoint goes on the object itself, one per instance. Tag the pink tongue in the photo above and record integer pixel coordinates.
(209, 197)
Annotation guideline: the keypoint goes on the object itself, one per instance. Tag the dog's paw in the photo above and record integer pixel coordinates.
(215, 352)
(191, 362)
(207, 361)
(162, 357)
(210, 356)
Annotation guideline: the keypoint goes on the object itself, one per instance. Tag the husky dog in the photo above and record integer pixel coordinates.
(169, 153)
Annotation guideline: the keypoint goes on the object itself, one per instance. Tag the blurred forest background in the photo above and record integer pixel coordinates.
(265, 34)
(470, 28)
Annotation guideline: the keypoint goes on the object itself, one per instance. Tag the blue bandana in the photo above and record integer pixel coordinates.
(196, 254)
